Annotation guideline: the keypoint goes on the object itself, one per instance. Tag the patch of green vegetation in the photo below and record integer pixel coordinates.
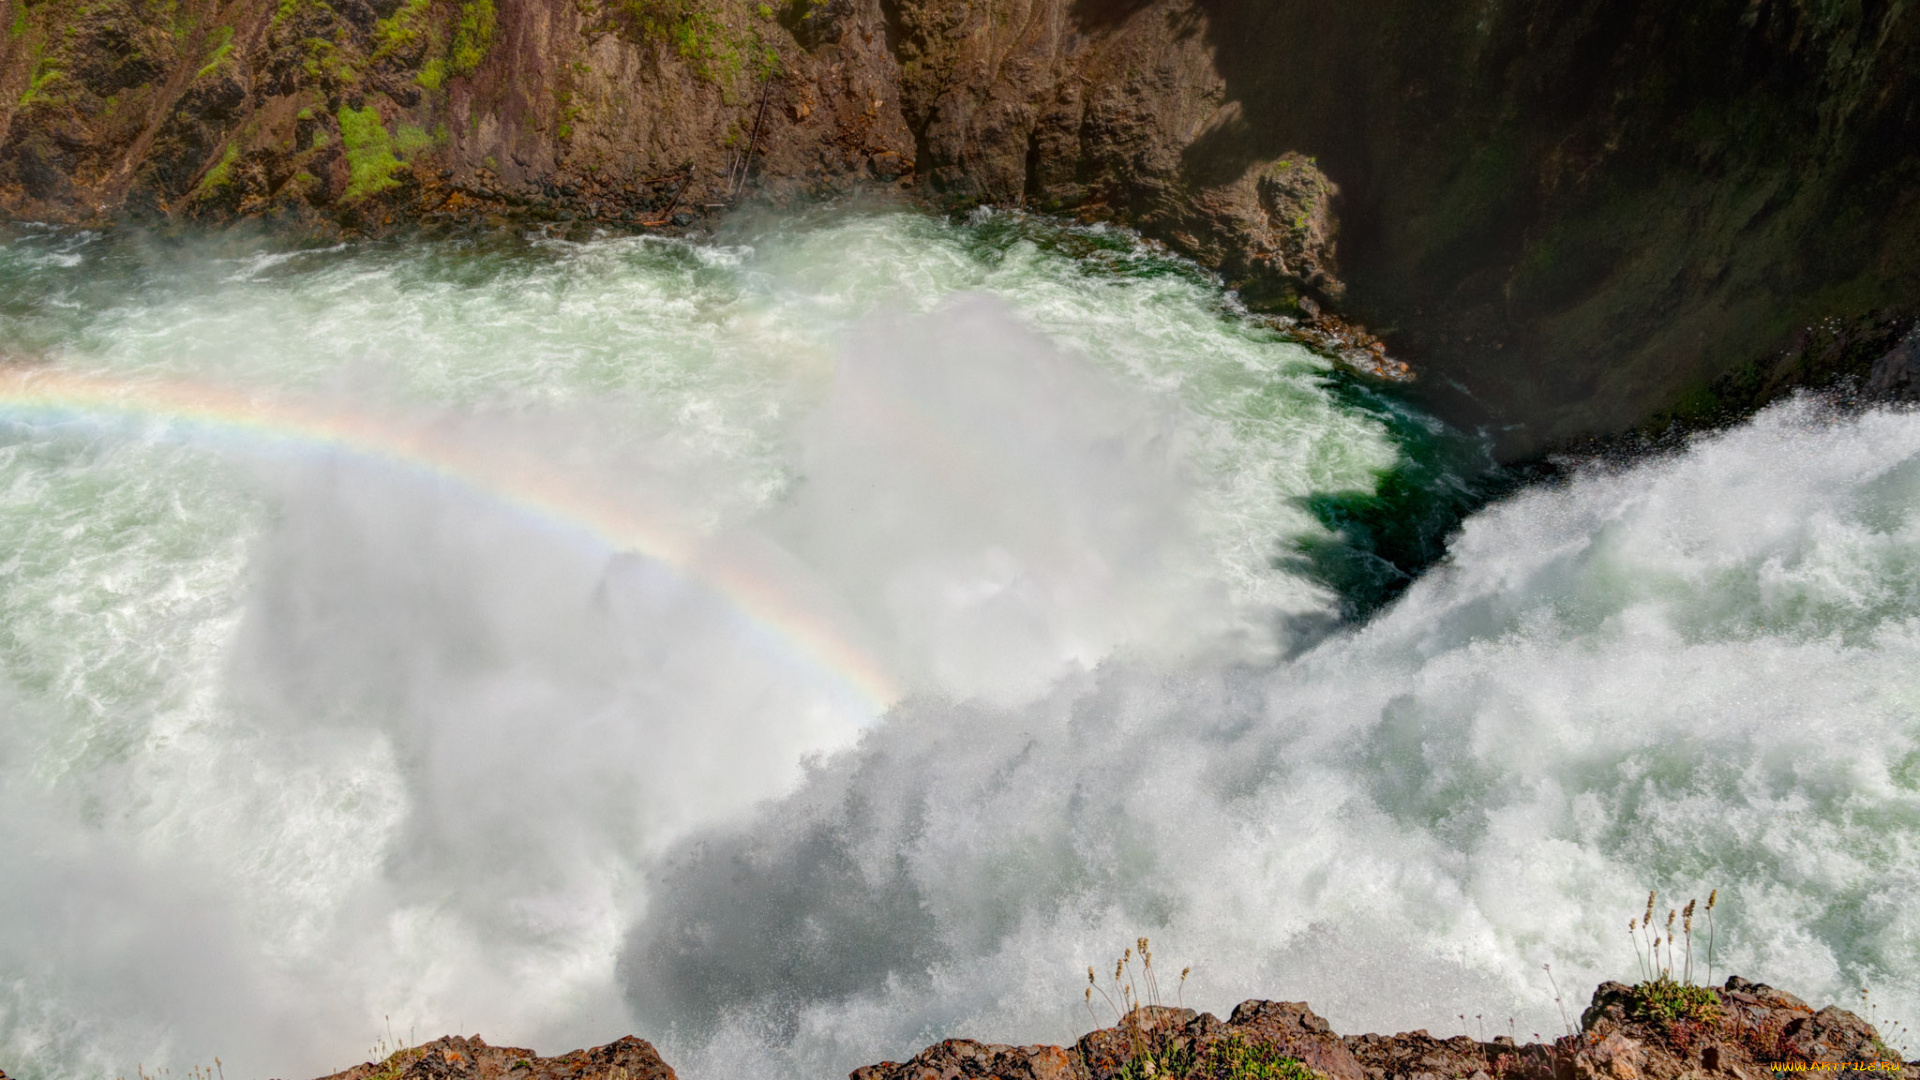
(223, 47)
(433, 74)
(370, 158)
(19, 20)
(399, 31)
(412, 138)
(1159, 1063)
(1234, 1058)
(569, 112)
(1231, 1058)
(1669, 1001)
(697, 35)
(330, 60)
(396, 1064)
(287, 9)
(322, 139)
(222, 172)
(44, 75)
(472, 37)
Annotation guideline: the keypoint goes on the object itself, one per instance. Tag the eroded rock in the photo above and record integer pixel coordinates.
(456, 1058)
(1756, 1028)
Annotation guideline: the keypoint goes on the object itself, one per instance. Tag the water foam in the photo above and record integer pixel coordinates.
(1691, 674)
(297, 743)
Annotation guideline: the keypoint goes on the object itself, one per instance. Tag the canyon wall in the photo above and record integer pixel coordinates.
(1573, 217)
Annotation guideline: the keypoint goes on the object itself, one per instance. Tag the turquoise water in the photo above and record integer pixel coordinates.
(310, 749)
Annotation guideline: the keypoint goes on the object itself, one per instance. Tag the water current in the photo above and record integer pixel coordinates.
(804, 644)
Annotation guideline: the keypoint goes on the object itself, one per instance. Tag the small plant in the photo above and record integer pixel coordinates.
(472, 37)
(1675, 1004)
(1558, 1000)
(1234, 1058)
(222, 48)
(700, 33)
(1153, 1053)
(1126, 1000)
(1892, 1040)
(1670, 1002)
(369, 148)
(1166, 1062)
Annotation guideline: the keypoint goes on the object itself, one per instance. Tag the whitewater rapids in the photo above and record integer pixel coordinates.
(308, 747)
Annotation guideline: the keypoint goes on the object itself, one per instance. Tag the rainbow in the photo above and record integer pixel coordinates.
(522, 485)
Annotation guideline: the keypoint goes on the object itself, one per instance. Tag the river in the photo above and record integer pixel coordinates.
(806, 643)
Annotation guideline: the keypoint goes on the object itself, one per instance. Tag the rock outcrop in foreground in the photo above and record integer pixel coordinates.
(1758, 1029)
(1750, 1031)
(455, 1058)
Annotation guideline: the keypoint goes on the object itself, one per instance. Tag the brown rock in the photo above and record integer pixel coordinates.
(455, 1058)
(1615, 1057)
(1757, 1027)
(958, 1058)
(1104, 1053)
(1298, 1032)
(1412, 1054)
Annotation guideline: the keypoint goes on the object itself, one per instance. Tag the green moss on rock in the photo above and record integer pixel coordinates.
(370, 159)
(223, 48)
(221, 175)
(472, 37)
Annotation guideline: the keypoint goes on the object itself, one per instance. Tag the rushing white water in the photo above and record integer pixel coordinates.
(304, 749)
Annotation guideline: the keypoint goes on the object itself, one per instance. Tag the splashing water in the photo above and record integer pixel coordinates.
(373, 703)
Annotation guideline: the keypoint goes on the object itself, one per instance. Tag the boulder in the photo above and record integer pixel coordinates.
(455, 1058)
(958, 1058)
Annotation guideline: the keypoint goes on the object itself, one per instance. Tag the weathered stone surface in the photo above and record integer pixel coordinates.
(358, 116)
(455, 1058)
(1758, 1027)
(958, 1058)
(1416, 1054)
(1298, 1032)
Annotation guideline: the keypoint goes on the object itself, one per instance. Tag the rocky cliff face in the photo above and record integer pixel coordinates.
(366, 113)
(1573, 217)
(1579, 215)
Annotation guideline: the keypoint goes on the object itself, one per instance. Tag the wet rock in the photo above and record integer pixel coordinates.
(1897, 373)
